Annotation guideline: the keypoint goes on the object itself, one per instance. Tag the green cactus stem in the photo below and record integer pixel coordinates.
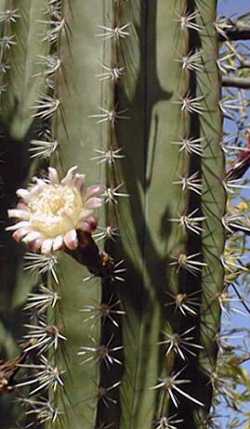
(131, 96)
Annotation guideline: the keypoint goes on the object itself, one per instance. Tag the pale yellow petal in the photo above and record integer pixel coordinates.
(46, 246)
(58, 242)
(18, 225)
(70, 240)
(19, 214)
(24, 194)
(31, 236)
(69, 175)
(53, 175)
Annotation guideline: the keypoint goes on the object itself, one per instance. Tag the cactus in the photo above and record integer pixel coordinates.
(123, 322)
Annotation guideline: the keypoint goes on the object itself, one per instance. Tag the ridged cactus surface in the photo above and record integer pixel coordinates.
(127, 91)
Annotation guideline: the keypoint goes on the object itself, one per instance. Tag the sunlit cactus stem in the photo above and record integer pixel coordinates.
(123, 213)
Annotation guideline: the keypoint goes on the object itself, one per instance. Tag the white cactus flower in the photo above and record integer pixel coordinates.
(51, 211)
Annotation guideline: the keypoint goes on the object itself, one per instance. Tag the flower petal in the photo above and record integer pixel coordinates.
(18, 213)
(22, 205)
(93, 191)
(53, 175)
(24, 194)
(39, 181)
(18, 225)
(38, 187)
(20, 233)
(67, 179)
(58, 242)
(79, 181)
(70, 239)
(84, 214)
(46, 246)
(89, 225)
(93, 203)
(35, 245)
(31, 236)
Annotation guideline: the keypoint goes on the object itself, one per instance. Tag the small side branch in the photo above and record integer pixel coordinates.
(236, 82)
(236, 31)
(245, 64)
(242, 163)
(240, 298)
(238, 169)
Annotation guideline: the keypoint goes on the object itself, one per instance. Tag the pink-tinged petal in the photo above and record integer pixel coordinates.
(38, 187)
(20, 214)
(53, 176)
(35, 245)
(93, 203)
(18, 225)
(58, 242)
(24, 194)
(89, 225)
(94, 191)
(85, 226)
(85, 214)
(70, 240)
(67, 179)
(31, 236)
(46, 246)
(39, 181)
(79, 181)
(22, 205)
(20, 233)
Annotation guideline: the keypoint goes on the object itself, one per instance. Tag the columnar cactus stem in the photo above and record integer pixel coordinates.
(178, 101)
(128, 91)
(23, 22)
(79, 139)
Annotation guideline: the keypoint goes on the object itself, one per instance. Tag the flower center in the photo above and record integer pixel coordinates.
(55, 210)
